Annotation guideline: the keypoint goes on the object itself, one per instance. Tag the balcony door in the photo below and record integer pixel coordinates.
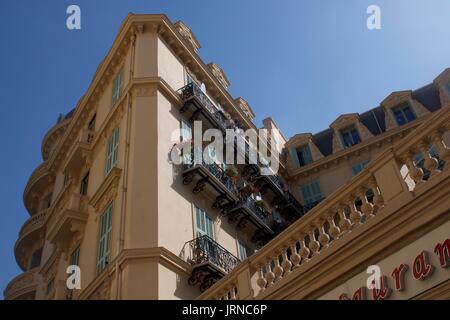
(205, 225)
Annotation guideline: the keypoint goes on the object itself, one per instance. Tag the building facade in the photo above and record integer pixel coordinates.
(109, 198)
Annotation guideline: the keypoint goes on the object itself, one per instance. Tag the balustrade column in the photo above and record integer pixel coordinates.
(324, 238)
(438, 143)
(415, 173)
(295, 257)
(334, 230)
(430, 163)
(286, 265)
(304, 251)
(366, 207)
(344, 223)
(261, 281)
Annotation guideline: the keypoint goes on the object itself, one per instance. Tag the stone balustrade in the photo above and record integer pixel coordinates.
(33, 223)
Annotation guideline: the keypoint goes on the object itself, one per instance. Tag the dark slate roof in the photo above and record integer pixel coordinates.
(429, 97)
(324, 141)
(374, 118)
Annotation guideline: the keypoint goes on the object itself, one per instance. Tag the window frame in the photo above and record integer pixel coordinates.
(304, 155)
(117, 87)
(104, 239)
(112, 151)
(314, 196)
(350, 130)
(203, 222)
(400, 110)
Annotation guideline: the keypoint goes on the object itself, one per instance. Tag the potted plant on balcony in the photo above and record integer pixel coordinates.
(233, 172)
(259, 202)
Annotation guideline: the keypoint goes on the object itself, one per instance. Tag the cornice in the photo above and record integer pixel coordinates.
(157, 254)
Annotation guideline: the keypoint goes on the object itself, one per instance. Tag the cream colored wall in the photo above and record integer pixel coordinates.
(140, 280)
(146, 55)
(169, 66)
(172, 286)
(335, 176)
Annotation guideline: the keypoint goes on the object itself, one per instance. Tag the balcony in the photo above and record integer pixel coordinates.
(31, 232)
(68, 217)
(196, 101)
(248, 211)
(215, 177)
(22, 287)
(79, 154)
(209, 260)
(37, 183)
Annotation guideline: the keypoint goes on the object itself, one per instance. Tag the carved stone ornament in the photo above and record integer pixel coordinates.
(188, 35)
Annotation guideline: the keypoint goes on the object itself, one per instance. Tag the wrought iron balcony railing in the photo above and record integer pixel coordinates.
(205, 250)
(215, 170)
(192, 92)
(258, 212)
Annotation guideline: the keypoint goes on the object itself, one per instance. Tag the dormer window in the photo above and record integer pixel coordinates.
(350, 137)
(403, 114)
(304, 155)
(189, 79)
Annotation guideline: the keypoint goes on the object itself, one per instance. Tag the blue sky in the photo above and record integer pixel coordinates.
(302, 62)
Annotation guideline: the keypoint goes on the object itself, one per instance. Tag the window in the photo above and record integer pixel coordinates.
(91, 125)
(117, 87)
(84, 184)
(186, 135)
(50, 286)
(357, 168)
(304, 155)
(243, 251)
(66, 178)
(112, 150)
(312, 193)
(75, 257)
(104, 239)
(47, 202)
(189, 79)
(36, 258)
(350, 137)
(403, 114)
(205, 225)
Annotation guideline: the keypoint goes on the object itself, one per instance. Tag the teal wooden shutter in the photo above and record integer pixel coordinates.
(112, 151)
(311, 192)
(295, 157)
(307, 154)
(205, 225)
(242, 250)
(75, 257)
(117, 87)
(104, 239)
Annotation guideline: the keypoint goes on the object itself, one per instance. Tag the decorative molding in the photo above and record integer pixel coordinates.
(245, 108)
(187, 35)
(107, 191)
(219, 74)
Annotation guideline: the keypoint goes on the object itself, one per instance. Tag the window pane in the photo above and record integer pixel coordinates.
(409, 114)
